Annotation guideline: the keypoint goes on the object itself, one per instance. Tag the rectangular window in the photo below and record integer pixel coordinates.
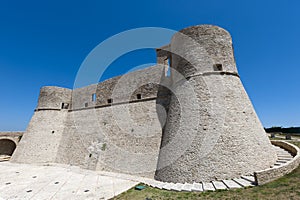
(218, 67)
(94, 97)
(86, 105)
(109, 100)
(168, 67)
(139, 96)
(64, 106)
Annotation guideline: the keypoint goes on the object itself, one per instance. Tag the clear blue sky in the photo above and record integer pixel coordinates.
(44, 43)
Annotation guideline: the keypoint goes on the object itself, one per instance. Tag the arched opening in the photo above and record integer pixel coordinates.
(7, 148)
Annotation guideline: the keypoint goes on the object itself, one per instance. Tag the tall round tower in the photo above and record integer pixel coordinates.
(214, 132)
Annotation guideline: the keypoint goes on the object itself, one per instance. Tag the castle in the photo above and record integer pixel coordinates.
(193, 124)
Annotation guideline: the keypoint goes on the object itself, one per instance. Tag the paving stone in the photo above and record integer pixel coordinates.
(197, 187)
(187, 187)
(231, 184)
(50, 182)
(159, 185)
(249, 178)
(243, 182)
(219, 185)
(208, 187)
(167, 186)
(178, 187)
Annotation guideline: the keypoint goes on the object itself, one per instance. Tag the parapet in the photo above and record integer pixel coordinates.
(52, 97)
(132, 87)
(201, 49)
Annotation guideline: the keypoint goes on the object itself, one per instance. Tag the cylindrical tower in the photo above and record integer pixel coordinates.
(219, 136)
(52, 97)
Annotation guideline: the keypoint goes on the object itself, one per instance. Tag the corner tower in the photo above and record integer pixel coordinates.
(222, 138)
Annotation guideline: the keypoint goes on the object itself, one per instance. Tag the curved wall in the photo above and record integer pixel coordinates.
(52, 97)
(227, 139)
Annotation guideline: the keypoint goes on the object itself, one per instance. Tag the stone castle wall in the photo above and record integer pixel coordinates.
(196, 125)
(123, 135)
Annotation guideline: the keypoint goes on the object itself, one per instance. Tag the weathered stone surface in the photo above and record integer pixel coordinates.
(57, 182)
(196, 126)
(231, 184)
(219, 185)
(267, 175)
(187, 187)
(249, 178)
(197, 187)
(243, 182)
(208, 187)
(221, 137)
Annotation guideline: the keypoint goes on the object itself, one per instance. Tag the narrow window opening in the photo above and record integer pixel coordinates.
(168, 67)
(64, 106)
(110, 101)
(86, 105)
(218, 67)
(94, 97)
(139, 96)
(90, 155)
(53, 132)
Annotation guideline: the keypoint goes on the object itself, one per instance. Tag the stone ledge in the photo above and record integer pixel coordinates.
(268, 175)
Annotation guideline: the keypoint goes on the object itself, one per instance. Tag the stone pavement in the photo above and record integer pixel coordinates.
(20, 181)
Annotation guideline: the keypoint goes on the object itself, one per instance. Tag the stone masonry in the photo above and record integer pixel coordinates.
(196, 124)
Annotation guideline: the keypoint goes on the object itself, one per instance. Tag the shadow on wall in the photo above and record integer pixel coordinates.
(7, 147)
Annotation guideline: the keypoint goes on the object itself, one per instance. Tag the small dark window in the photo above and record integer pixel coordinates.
(94, 97)
(64, 106)
(218, 67)
(139, 96)
(109, 100)
(53, 132)
(86, 105)
(90, 155)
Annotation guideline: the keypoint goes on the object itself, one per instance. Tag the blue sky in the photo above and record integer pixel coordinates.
(45, 42)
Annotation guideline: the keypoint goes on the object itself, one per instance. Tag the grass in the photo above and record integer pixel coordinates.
(286, 187)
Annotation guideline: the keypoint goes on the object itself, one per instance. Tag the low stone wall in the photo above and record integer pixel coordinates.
(268, 175)
(14, 136)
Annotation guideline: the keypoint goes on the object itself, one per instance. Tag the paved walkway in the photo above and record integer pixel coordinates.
(20, 181)
(55, 182)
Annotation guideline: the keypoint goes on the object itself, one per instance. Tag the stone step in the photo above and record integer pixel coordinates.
(197, 187)
(281, 161)
(231, 184)
(243, 182)
(285, 156)
(285, 159)
(219, 185)
(208, 187)
(274, 166)
(187, 187)
(249, 178)
(277, 164)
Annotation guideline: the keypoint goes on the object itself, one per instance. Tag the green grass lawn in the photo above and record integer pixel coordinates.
(287, 187)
